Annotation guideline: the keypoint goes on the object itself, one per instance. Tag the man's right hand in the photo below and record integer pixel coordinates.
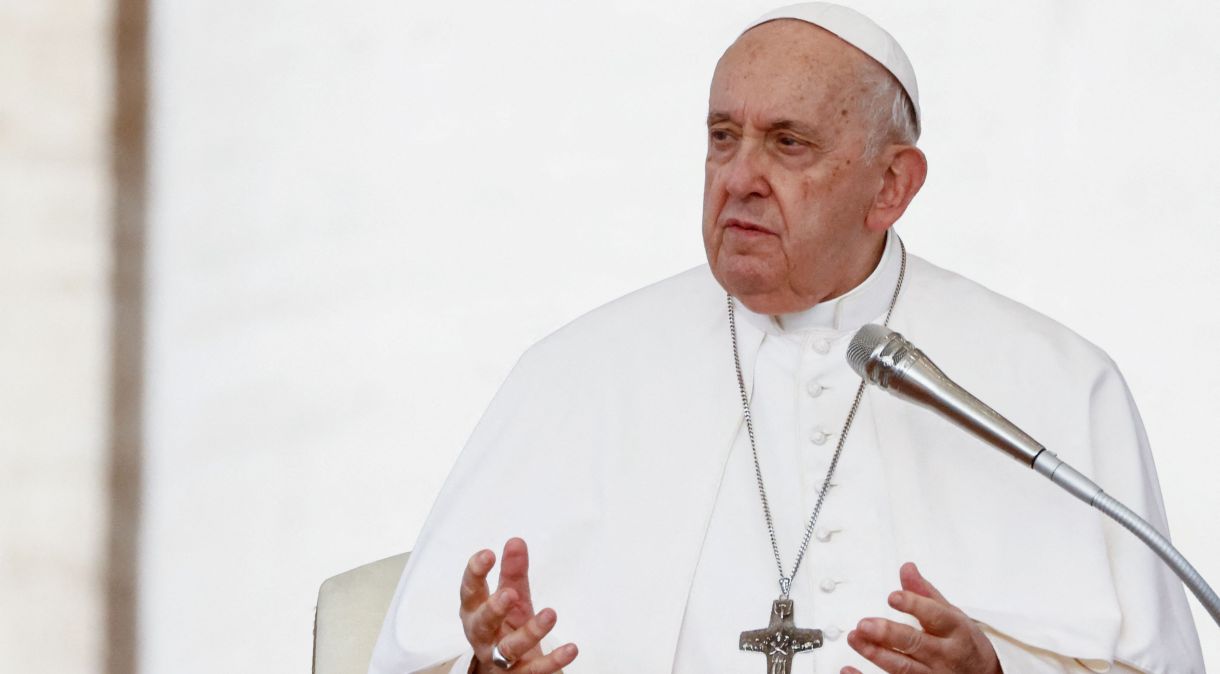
(507, 617)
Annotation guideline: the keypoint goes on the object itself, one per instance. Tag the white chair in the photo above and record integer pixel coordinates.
(351, 608)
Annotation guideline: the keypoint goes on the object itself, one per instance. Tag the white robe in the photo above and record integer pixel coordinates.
(615, 448)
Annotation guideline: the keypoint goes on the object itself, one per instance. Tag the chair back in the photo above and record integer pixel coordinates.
(351, 608)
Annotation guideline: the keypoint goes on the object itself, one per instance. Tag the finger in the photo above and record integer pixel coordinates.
(896, 636)
(850, 670)
(514, 573)
(935, 616)
(888, 660)
(484, 625)
(551, 662)
(913, 581)
(474, 579)
(526, 638)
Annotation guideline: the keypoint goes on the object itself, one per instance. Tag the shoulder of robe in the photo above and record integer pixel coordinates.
(952, 318)
(653, 322)
(1029, 367)
(1067, 393)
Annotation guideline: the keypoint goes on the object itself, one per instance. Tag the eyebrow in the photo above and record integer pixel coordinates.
(801, 128)
(795, 126)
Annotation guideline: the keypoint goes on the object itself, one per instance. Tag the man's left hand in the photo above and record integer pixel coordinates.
(950, 642)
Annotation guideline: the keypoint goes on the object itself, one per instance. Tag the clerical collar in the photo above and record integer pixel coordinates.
(860, 305)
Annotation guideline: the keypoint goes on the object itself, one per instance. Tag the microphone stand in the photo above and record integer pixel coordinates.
(886, 359)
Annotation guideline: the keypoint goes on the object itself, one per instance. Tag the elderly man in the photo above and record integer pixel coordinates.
(704, 482)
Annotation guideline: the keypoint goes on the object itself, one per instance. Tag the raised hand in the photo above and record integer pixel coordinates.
(949, 643)
(507, 617)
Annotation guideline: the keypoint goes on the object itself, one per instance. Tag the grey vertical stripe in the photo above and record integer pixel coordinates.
(129, 164)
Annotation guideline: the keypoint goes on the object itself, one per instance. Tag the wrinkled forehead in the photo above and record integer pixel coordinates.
(792, 65)
(856, 30)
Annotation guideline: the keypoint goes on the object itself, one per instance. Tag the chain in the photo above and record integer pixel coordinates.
(785, 582)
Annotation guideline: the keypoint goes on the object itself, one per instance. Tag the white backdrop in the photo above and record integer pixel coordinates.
(362, 213)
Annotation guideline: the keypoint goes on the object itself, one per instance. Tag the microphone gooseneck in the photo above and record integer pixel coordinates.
(886, 359)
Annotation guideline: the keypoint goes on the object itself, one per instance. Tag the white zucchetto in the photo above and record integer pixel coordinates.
(860, 32)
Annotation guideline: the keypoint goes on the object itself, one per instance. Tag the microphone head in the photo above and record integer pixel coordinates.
(869, 340)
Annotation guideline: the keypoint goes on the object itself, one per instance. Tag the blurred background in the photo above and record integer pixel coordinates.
(264, 262)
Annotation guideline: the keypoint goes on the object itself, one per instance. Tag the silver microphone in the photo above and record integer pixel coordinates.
(886, 359)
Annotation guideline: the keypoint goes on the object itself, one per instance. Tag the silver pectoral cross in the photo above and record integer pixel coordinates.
(781, 639)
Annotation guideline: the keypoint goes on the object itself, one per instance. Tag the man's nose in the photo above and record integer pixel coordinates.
(746, 175)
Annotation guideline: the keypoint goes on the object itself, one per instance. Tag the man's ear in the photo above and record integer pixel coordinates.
(905, 172)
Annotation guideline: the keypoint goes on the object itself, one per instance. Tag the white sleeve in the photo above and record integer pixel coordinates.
(1158, 632)
(1018, 658)
(461, 664)
(457, 665)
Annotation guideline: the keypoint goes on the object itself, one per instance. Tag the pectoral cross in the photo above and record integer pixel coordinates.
(781, 639)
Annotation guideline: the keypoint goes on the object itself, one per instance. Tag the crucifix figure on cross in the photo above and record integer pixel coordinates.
(781, 639)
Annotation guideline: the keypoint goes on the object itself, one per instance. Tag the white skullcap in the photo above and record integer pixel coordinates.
(860, 32)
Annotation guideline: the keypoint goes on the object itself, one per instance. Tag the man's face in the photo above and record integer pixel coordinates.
(787, 191)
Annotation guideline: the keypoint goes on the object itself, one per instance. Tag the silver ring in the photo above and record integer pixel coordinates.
(498, 659)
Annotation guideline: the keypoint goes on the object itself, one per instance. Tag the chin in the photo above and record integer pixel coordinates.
(748, 283)
(765, 304)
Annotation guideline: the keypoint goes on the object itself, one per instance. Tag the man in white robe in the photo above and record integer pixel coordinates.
(617, 446)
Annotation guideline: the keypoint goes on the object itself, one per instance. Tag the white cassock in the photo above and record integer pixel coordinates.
(617, 449)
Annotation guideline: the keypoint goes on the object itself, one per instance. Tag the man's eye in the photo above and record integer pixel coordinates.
(718, 135)
(789, 141)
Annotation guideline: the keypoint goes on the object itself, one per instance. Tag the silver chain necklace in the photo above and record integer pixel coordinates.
(782, 639)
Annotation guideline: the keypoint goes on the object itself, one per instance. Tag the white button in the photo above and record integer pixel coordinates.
(832, 633)
(828, 585)
(819, 436)
(815, 388)
(821, 345)
(824, 533)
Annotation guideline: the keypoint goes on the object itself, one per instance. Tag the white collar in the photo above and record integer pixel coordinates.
(847, 312)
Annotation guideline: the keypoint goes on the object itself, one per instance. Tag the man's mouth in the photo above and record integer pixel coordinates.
(746, 227)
